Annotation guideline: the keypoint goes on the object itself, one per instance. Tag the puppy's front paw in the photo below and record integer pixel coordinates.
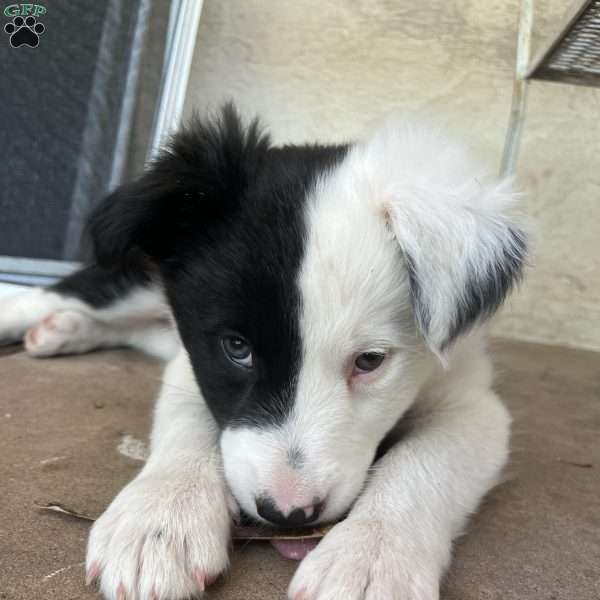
(162, 538)
(364, 560)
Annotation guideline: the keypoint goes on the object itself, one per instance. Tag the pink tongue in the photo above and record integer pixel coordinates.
(295, 549)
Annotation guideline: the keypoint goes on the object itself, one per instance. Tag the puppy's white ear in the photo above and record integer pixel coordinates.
(462, 263)
(463, 251)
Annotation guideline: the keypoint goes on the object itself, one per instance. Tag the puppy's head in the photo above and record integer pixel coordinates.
(313, 287)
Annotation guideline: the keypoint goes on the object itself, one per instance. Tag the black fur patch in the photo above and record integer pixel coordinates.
(197, 182)
(221, 214)
(486, 292)
(100, 287)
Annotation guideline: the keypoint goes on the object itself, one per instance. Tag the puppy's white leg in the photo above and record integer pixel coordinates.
(75, 332)
(20, 312)
(51, 323)
(396, 542)
(69, 332)
(166, 534)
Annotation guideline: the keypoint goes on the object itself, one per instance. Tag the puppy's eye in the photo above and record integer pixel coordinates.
(237, 350)
(367, 362)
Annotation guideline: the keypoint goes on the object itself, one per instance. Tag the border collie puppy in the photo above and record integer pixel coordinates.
(328, 357)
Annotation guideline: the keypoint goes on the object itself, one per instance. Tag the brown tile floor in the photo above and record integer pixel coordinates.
(537, 537)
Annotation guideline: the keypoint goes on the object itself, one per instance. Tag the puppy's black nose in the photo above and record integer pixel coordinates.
(297, 517)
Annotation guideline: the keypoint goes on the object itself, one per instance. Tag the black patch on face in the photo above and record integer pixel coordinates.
(221, 214)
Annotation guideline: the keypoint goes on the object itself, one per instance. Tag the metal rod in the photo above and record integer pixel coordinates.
(183, 29)
(128, 102)
(518, 107)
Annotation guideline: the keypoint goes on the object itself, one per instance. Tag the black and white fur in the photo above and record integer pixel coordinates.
(397, 246)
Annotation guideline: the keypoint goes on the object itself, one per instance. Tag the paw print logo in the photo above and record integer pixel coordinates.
(24, 32)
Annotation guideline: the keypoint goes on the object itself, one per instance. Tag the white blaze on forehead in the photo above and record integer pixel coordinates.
(354, 298)
(352, 276)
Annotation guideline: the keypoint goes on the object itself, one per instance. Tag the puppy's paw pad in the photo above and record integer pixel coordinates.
(56, 333)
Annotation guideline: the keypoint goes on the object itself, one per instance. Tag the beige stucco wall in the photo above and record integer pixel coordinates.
(324, 69)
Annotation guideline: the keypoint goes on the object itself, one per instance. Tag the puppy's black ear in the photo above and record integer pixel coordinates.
(199, 178)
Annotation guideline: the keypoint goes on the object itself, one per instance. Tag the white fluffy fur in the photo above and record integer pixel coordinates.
(52, 324)
(355, 298)
(449, 216)
(167, 532)
(419, 495)
(406, 191)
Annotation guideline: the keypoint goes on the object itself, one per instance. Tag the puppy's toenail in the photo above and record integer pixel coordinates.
(200, 579)
(92, 573)
(31, 337)
(49, 322)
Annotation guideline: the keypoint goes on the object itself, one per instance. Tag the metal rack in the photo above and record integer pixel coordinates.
(570, 55)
